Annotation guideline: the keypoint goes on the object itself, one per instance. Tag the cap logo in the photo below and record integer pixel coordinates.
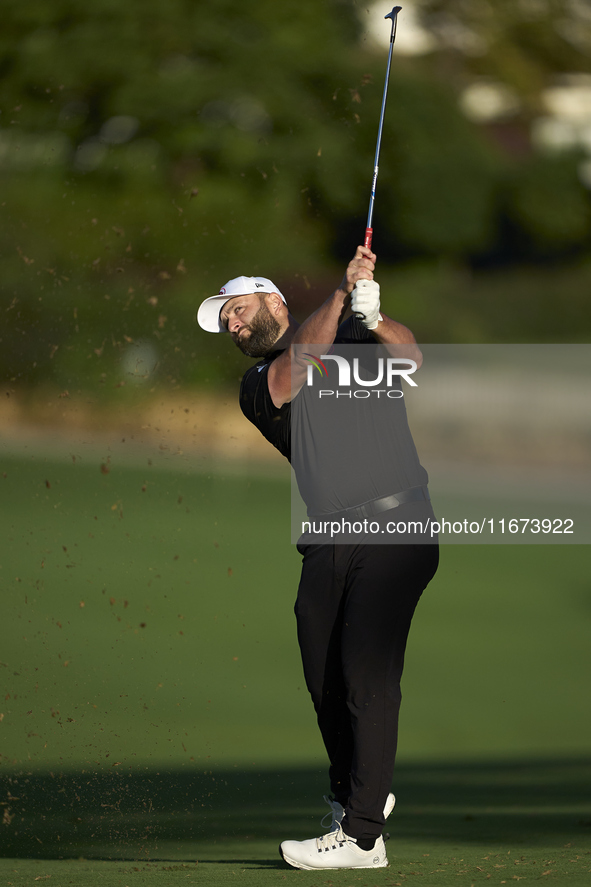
(223, 291)
(259, 284)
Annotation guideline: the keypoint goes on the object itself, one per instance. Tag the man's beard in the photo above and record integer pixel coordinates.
(264, 333)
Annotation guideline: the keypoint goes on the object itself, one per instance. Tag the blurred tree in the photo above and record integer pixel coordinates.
(146, 141)
(522, 44)
(151, 150)
(523, 71)
(148, 144)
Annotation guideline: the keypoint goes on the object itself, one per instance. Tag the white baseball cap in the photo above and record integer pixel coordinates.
(208, 315)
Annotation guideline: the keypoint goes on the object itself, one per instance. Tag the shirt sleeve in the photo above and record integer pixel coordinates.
(273, 422)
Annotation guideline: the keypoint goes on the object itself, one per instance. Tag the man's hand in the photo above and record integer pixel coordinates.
(365, 303)
(361, 267)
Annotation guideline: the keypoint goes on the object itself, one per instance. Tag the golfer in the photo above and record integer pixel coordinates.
(355, 601)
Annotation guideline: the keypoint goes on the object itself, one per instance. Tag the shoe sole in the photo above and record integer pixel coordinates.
(328, 868)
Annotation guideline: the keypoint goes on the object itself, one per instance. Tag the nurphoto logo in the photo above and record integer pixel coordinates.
(389, 371)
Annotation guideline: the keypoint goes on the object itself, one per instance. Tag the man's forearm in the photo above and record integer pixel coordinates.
(390, 332)
(321, 327)
(288, 372)
(286, 376)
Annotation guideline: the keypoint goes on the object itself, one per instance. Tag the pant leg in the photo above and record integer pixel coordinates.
(319, 611)
(384, 585)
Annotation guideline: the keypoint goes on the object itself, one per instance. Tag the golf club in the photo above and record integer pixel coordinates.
(369, 230)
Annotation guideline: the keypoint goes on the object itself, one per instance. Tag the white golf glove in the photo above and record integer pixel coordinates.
(365, 303)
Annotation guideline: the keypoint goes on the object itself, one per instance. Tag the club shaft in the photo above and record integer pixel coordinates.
(369, 230)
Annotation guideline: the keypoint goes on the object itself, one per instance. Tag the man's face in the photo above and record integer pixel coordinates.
(250, 323)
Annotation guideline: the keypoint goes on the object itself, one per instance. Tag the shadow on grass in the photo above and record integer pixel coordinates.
(224, 813)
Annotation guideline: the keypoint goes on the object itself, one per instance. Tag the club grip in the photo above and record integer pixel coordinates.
(368, 237)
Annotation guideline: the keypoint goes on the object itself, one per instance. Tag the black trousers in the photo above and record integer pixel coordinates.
(354, 609)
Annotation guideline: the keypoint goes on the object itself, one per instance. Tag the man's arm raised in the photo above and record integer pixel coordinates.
(365, 303)
(319, 329)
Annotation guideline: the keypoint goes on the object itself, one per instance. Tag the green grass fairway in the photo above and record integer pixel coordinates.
(155, 727)
(457, 824)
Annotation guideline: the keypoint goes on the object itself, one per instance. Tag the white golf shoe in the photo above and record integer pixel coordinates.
(338, 811)
(333, 851)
